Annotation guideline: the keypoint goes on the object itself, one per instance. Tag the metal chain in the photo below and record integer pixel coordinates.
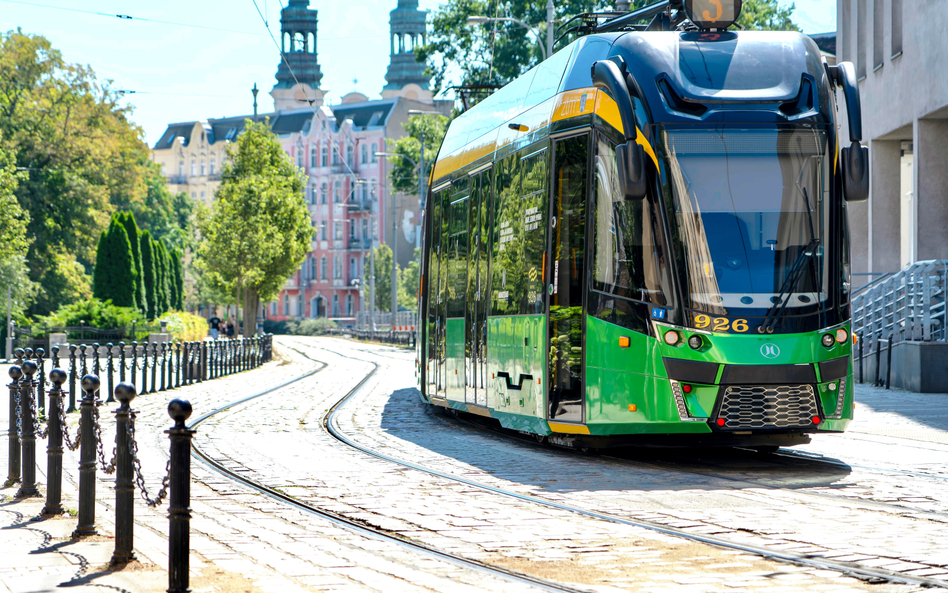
(109, 467)
(65, 427)
(137, 465)
(40, 434)
(19, 413)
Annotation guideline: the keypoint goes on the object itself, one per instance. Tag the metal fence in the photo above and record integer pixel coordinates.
(909, 306)
(38, 336)
(380, 321)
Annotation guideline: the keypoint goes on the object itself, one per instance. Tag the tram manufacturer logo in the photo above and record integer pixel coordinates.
(769, 351)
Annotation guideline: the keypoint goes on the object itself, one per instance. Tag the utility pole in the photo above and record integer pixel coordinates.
(549, 28)
(422, 194)
(394, 259)
(10, 323)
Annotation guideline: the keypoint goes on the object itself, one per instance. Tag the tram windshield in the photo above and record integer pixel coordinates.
(751, 209)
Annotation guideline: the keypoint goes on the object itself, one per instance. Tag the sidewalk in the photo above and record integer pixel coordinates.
(38, 554)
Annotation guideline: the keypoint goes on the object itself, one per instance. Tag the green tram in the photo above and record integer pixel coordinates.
(644, 240)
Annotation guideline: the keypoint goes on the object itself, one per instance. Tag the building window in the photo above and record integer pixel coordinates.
(349, 152)
(299, 306)
(202, 196)
(322, 233)
(896, 28)
(861, 16)
(203, 167)
(324, 155)
(375, 149)
(335, 305)
(312, 156)
(194, 195)
(336, 268)
(313, 272)
(365, 154)
(337, 231)
(365, 229)
(313, 195)
(353, 268)
(193, 168)
(181, 169)
(337, 192)
(348, 305)
(273, 308)
(286, 304)
(323, 193)
(299, 157)
(213, 166)
(335, 157)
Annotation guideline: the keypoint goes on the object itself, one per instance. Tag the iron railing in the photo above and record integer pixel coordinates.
(909, 305)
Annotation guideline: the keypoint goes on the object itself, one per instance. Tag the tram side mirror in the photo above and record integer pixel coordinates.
(630, 166)
(854, 160)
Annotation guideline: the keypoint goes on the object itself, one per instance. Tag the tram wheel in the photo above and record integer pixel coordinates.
(541, 438)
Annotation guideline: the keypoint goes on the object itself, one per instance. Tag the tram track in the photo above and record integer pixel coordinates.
(329, 422)
(353, 525)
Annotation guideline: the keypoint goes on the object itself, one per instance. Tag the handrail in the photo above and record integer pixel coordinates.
(882, 276)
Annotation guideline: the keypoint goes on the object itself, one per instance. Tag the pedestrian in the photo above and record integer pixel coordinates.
(215, 323)
(230, 329)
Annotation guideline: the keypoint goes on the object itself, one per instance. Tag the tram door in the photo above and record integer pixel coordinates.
(566, 273)
(435, 363)
(475, 347)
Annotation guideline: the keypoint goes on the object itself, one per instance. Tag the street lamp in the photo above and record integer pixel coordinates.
(548, 50)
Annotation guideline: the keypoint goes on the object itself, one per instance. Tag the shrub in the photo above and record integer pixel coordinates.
(310, 327)
(185, 326)
(274, 327)
(93, 313)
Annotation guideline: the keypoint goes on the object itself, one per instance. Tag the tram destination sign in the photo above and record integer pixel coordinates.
(713, 14)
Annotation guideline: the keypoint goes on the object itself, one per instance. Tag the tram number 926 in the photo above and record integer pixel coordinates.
(720, 324)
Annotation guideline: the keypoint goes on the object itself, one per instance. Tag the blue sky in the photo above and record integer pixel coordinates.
(183, 73)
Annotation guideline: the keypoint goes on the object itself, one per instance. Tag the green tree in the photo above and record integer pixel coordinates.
(767, 15)
(82, 155)
(178, 276)
(161, 278)
(497, 52)
(431, 128)
(13, 243)
(134, 238)
(114, 272)
(383, 278)
(408, 283)
(259, 230)
(149, 275)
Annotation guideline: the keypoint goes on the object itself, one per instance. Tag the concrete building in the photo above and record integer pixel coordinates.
(348, 188)
(900, 52)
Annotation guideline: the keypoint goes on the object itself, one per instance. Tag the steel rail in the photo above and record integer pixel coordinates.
(355, 526)
(846, 568)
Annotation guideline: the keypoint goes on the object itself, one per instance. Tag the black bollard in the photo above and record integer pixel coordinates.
(54, 446)
(134, 361)
(203, 365)
(179, 509)
(55, 359)
(177, 350)
(154, 366)
(121, 362)
(27, 433)
(95, 359)
(72, 378)
(90, 385)
(169, 354)
(859, 339)
(878, 382)
(13, 465)
(110, 369)
(41, 373)
(84, 370)
(162, 348)
(124, 478)
(888, 362)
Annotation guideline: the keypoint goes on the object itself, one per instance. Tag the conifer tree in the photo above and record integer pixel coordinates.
(172, 280)
(148, 274)
(179, 280)
(114, 273)
(161, 277)
(131, 227)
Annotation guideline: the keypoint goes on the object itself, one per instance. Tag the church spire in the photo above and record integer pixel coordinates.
(406, 76)
(298, 25)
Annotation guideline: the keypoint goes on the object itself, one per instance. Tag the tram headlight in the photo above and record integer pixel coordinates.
(828, 340)
(842, 335)
(695, 342)
(672, 338)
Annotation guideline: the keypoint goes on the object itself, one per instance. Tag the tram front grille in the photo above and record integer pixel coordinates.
(768, 406)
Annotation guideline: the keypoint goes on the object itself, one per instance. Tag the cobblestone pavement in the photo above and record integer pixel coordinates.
(243, 541)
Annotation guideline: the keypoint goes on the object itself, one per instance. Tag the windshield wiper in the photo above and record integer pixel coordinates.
(796, 272)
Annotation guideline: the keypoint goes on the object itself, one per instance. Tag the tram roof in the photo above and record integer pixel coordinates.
(700, 68)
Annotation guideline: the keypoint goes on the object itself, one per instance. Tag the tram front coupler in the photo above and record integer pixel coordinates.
(630, 157)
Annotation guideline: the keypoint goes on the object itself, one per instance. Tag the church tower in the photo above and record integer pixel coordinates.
(298, 45)
(405, 76)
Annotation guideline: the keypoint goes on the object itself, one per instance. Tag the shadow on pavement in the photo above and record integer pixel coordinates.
(555, 469)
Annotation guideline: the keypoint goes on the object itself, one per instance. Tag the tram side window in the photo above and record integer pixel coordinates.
(456, 251)
(534, 201)
(507, 249)
(629, 259)
(434, 268)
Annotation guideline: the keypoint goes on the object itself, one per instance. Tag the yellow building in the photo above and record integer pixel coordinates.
(191, 156)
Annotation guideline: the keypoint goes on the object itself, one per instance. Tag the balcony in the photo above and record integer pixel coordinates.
(358, 244)
(177, 180)
(359, 206)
